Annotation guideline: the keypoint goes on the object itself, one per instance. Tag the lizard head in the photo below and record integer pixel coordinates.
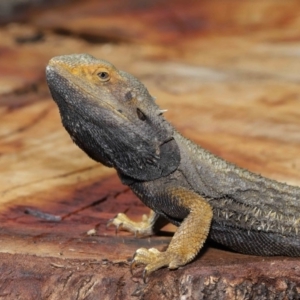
(112, 117)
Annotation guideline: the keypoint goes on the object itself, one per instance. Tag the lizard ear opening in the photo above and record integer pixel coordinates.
(141, 115)
(142, 166)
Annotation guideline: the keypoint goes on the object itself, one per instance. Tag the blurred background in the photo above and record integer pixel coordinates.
(228, 71)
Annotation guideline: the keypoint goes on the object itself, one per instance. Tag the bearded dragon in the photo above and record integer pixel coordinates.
(112, 117)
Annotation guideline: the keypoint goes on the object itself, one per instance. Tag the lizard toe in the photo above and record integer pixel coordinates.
(155, 259)
(122, 222)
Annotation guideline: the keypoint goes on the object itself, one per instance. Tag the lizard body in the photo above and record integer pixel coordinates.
(113, 118)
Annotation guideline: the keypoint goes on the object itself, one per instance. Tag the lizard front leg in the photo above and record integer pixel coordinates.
(187, 240)
(142, 229)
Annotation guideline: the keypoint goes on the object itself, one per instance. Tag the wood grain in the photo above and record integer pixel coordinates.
(228, 73)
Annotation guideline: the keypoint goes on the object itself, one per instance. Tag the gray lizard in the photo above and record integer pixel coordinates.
(111, 116)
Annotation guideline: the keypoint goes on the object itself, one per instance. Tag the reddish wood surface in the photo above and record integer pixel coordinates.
(228, 71)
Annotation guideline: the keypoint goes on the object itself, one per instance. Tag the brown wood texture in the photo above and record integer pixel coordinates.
(228, 73)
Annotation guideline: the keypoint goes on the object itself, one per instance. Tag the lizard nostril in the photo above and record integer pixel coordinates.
(128, 96)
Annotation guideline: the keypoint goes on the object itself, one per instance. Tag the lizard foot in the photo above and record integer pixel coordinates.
(155, 259)
(143, 228)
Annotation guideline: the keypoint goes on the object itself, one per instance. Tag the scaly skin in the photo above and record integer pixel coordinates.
(112, 117)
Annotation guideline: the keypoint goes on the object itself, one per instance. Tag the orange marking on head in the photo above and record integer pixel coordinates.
(87, 68)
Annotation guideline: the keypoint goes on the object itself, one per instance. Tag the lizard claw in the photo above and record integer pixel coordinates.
(133, 265)
(145, 276)
(154, 259)
(112, 222)
(117, 228)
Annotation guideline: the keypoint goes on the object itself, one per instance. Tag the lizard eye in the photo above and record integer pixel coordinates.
(104, 76)
(141, 115)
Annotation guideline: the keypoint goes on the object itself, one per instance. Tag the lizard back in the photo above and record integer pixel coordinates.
(252, 214)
